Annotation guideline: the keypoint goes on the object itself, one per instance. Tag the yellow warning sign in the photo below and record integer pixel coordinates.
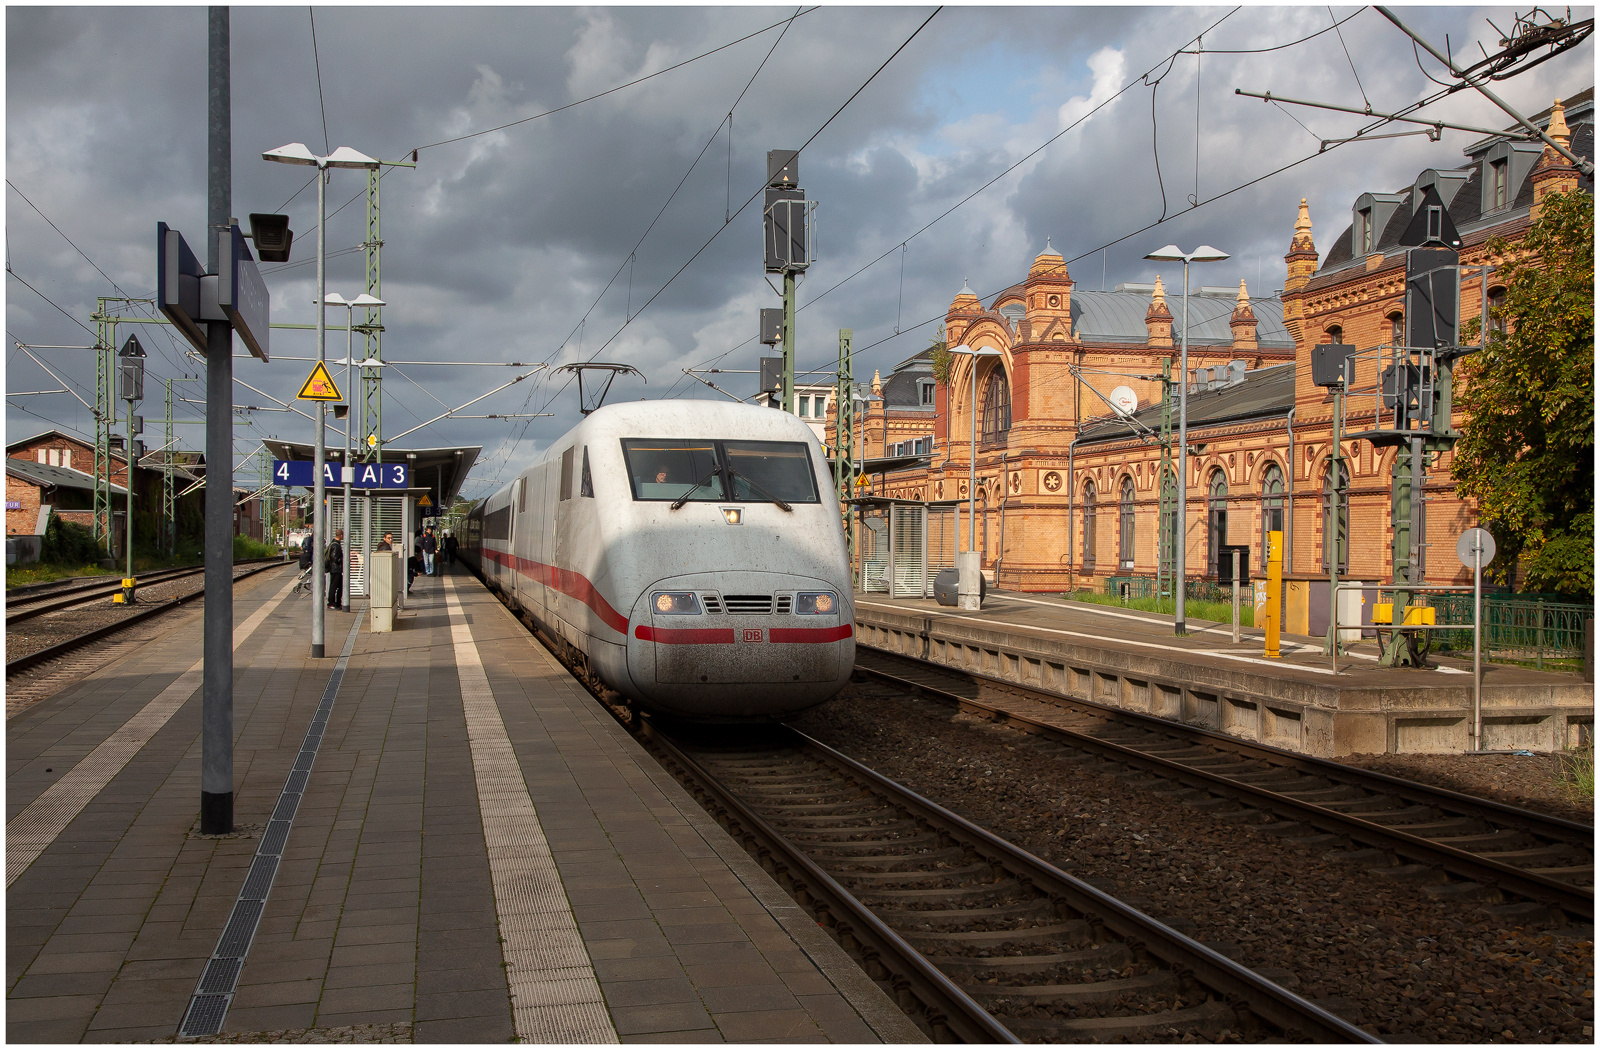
(862, 481)
(424, 502)
(319, 386)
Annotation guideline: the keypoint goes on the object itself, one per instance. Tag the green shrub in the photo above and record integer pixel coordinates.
(68, 543)
(245, 548)
(1579, 769)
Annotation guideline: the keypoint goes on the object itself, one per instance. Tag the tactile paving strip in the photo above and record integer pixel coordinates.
(214, 994)
(555, 997)
(32, 831)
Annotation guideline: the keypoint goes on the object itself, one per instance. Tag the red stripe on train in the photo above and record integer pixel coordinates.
(810, 634)
(702, 636)
(572, 584)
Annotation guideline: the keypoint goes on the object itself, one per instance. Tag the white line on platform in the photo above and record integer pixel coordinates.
(555, 996)
(35, 828)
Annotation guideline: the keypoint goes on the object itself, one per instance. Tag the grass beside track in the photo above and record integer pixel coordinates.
(1220, 612)
(244, 548)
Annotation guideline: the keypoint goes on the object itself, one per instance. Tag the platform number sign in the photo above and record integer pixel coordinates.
(291, 473)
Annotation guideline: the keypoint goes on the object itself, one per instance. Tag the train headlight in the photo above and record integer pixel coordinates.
(815, 603)
(675, 603)
(733, 515)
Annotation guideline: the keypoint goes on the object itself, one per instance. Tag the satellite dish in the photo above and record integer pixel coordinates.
(1125, 400)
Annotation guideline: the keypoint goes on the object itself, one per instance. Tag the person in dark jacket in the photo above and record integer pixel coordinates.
(449, 546)
(430, 547)
(307, 552)
(335, 567)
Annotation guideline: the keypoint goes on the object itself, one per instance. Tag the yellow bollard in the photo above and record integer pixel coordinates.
(1274, 590)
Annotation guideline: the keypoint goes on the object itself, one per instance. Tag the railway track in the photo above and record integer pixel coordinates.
(1458, 846)
(23, 607)
(978, 940)
(23, 663)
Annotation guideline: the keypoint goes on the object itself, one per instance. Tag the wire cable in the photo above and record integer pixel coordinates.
(327, 144)
(1350, 60)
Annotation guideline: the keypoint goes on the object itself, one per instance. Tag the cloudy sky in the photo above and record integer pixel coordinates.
(989, 131)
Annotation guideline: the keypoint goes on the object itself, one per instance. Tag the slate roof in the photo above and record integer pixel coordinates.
(46, 476)
(1264, 392)
(1118, 317)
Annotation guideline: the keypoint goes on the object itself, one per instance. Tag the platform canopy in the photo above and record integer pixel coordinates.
(437, 472)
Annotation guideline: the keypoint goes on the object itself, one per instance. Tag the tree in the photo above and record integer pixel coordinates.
(1528, 449)
(941, 359)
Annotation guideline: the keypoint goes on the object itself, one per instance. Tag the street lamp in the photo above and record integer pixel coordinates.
(969, 587)
(346, 471)
(1172, 253)
(343, 157)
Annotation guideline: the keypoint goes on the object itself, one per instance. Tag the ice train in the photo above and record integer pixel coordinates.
(690, 552)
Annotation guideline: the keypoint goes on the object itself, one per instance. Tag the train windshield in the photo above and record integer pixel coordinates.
(701, 471)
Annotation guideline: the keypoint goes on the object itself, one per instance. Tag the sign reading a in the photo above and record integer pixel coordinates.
(319, 386)
(291, 473)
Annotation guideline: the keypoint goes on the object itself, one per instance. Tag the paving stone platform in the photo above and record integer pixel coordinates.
(389, 909)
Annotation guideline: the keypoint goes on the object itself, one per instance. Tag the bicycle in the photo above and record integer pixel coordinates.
(302, 583)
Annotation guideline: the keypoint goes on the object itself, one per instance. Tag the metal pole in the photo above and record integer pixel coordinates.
(319, 492)
(1236, 595)
(127, 588)
(345, 470)
(1179, 624)
(1336, 478)
(972, 465)
(788, 341)
(1477, 647)
(216, 714)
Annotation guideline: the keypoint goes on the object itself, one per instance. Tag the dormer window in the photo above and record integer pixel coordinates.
(1506, 165)
(1497, 178)
(1368, 219)
(924, 391)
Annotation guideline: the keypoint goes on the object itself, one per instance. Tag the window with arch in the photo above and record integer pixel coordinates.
(1497, 316)
(996, 406)
(1088, 526)
(1216, 520)
(1397, 328)
(1334, 334)
(1271, 506)
(1335, 517)
(1125, 525)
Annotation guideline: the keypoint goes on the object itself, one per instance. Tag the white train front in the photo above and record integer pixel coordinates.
(691, 550)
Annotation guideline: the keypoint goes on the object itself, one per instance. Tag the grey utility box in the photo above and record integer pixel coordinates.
(384, 583)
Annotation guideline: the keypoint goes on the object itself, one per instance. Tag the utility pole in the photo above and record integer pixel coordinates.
(130, 371)
(105, 414)
(1166, 505)
(169, 502)
(844, 435)
(216, 713)
(372, 378)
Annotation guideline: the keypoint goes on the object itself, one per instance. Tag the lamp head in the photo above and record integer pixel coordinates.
(1206, 253)
(335, 299)
(367, 300)
(986, 351)
(345, 157)
(960, 348)
(293, 153)
(1171, 253)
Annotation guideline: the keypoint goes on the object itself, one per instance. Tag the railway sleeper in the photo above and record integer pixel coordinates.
(1423, 874)
(892, 864)
(1071, 931)
(1108, 956)
(879, 878)
(1210, 1020)
(1465, 891)
(881, 834)
(1500, 841)
(856, 851)
(1038, 908)
(1528, 858)
(974, 891)
(997, 997)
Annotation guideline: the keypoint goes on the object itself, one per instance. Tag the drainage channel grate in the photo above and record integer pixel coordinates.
(209, 1006)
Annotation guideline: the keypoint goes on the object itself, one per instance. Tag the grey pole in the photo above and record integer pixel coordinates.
(216, 712)
(1179, 627)
(1477, 646)
(129, 590)
(345, 470)
(319, 491)
(972, 472)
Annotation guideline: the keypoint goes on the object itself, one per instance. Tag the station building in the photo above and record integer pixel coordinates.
(1073, 485)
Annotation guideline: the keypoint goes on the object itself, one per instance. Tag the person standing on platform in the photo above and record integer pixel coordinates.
(449, 546)
(307, 552)
(430, 547)
(388, 542)
(334, 566)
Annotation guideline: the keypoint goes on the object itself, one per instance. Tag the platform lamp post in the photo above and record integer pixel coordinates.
(343, 157)
(969, 588)
(1172, 253)
(346, 471)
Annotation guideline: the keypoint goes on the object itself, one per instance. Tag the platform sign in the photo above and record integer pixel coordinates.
(241, 294)
(297, 473)
(178, 274)
(319, 386)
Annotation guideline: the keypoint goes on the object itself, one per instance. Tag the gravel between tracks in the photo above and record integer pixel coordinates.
(1383, 955)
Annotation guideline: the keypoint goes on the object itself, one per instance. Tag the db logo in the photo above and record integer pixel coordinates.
(752, 634)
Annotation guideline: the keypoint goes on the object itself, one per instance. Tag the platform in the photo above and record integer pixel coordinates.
(1300, 700)
(462, 848)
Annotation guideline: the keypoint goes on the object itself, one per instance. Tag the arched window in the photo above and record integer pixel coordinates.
(1336, 501)
(1335, 334)
(1397, 328)
(1088, 526)
(1271, 506)
(1497, 304)
(1216, 520)
(1125, 525)
(996, 406)
(1167, 541)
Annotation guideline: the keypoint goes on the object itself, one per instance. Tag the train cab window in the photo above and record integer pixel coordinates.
(669, 469)
(764, 470)
(586, 485)
(566, 474)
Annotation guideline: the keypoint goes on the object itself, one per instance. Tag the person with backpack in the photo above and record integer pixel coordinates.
(430, 546)
(333, 565)
(307, 552)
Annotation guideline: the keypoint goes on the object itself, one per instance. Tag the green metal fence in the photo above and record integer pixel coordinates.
(1134, 587)
(1515, 628)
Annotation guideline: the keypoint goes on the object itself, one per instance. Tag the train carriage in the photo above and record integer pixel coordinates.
(692, 551)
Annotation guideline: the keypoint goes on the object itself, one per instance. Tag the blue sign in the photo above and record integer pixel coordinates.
(292, 473)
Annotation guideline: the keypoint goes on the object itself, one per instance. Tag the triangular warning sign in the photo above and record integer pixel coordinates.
(424, 502)
(319, 386)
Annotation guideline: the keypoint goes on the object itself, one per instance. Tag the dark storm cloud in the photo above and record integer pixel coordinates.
(498, 246)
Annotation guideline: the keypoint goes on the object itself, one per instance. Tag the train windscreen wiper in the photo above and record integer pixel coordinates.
(758, 490)
(681, 500)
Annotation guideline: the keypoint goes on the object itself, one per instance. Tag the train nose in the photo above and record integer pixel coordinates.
(781, 632)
